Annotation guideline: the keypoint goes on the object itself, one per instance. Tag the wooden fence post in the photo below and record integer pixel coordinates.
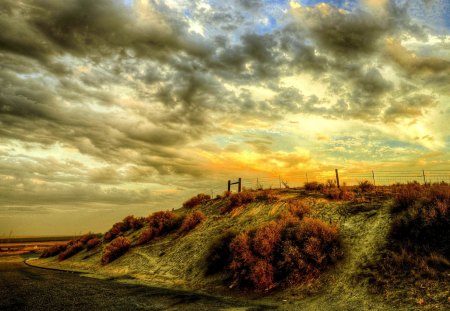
(337, 178)
(373, 177)
(424, 179)
(239, 184)
(229, 185)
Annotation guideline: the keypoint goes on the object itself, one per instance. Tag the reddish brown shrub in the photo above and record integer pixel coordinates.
(85, 238)
(342, 193)
(93, 243)
(266, 238)
(72, 248)
(53, 251)
(314, 186)
(283, 252)
(198, 199)
(262, 275)
(238, 199)
(298, 208)
(115, 249)
(406, 196)
(191, 221)
(267, 195)
(115, 231)
(158, 224)
(132, 222)
(366, 186)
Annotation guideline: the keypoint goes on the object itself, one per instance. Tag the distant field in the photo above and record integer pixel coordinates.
(22, 245)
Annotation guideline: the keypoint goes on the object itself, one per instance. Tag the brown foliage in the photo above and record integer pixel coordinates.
(266, 238)
(314, 186)
(267, 195)
(158, 224)
(288, 251)
(298, 208)
(115, 249)
(238, 199)
(53, 251)
(191, 221)
(366, 186)
(262, 275)
(342, 193)
(72, 248)
(93, 243)
(196, 200)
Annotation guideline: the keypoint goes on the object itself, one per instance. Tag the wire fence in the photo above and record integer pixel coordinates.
(349, 178)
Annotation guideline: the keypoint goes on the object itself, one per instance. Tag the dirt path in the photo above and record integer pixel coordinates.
(26, 288)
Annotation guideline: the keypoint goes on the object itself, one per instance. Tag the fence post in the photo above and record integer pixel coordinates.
(229, 185)
(424, 179)
(306, 176)
(239, 184)
(279, 180)
(373, 177)
(337, 178)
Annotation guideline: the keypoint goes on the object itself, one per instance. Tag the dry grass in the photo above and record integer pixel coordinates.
(115, 249)
(314, 186)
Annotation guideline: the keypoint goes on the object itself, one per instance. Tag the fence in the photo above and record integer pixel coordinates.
(350, 178)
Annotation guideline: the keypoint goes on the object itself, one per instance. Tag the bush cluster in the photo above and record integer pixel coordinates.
(365, 186)
(71, 248)
(196, 200)
(267, 195)
(115, 249)
(422, 218)
(158, 224)
(314, 186)
(128, 223)
(219, 253)
(283, 252)
(93, 243)
(237, 199)
(53, 250)
(342, 193)
(191, 221)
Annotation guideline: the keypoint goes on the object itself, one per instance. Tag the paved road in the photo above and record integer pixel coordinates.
(27, 288)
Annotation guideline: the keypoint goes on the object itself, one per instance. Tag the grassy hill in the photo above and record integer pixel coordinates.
(325, 248)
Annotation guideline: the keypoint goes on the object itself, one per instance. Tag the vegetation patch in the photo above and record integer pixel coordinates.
(115, 249)
(159, 224)
(191, 221)
(197, 200)
(418, 251)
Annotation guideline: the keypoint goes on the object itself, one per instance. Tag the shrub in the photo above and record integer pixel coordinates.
(85, 238)
(115, 249)
(72, 248)
(267, 195)
(314, 185)
(158, 224)
(298, 208)
(198, 199)
(191, 221)
(53, 251)
(92, 243)
(342, 193)
(405, 196)
(262, 275)
(283, 252)
(219, 253)
(266, 238)
(115, 231)
(366, 186)
(132, 222)
(238, 199)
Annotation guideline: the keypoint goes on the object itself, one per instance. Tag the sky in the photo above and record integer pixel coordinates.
(112, 108)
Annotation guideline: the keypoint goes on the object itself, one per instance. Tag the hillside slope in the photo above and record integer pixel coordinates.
(179, 260)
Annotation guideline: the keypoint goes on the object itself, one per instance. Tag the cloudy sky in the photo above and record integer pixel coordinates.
(111, 108)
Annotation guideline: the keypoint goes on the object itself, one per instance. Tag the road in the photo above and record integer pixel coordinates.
(28, 288)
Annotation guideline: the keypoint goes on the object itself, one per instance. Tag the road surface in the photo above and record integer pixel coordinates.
(27, 288)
